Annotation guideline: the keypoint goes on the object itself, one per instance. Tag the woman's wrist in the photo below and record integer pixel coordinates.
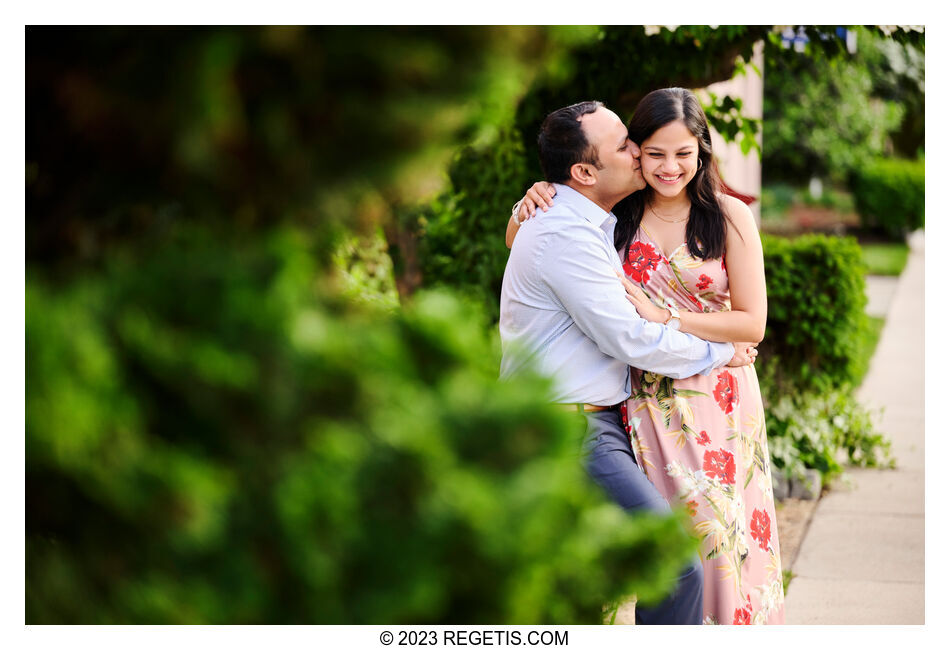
(674, 321)
(515, 210)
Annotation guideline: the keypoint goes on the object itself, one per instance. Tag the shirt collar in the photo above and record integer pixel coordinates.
(587, 208)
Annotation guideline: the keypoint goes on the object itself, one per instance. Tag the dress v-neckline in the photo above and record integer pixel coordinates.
(660, 248)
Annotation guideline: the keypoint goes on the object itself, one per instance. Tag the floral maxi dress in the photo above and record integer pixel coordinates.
(702, 443)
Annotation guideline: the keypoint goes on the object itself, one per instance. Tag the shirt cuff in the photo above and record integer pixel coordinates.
(724, 352)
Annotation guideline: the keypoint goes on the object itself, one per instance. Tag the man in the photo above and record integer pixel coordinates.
(564, 310)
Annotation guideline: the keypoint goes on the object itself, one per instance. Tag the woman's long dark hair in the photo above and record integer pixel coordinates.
(706, 228)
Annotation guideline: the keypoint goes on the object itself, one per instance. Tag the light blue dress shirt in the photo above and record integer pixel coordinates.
(563, 310)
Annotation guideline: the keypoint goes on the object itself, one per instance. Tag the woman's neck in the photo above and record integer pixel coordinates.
(669, 205)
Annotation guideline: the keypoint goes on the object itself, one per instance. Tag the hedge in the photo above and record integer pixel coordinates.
(812, 358)
(889, 195)
(210, 439)
(815, 286)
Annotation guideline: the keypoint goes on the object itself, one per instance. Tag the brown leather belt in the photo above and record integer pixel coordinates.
(587, 408)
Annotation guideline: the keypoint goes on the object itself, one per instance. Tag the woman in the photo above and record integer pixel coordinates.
(693, 260)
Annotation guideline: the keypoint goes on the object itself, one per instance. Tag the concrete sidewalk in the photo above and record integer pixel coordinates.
(862, 559)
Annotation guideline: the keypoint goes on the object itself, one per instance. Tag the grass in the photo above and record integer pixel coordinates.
(867, 343)
(885, 259)
(787, 576)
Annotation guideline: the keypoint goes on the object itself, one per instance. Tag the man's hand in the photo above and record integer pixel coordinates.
(745, 355)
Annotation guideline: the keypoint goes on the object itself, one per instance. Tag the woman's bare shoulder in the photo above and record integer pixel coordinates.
(740, 216)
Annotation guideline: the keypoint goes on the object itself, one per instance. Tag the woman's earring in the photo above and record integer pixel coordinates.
(700, 164)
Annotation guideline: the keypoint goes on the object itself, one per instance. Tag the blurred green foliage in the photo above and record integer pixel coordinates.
(867, 344)
(229, 419)
(885, 258)
(624, 63)
(776, 200)
(815, 285)
(211, 440)
(826, 115)
(364, 272)
(132, 130)
(817, 349)
(462, 243)
(724, 114)
(889, 196)
(840, 201)
(823, 431)
(897, 68)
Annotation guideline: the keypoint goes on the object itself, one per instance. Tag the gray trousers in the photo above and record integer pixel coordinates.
(610, 462)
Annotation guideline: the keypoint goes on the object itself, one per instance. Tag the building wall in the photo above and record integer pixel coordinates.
(743, 173)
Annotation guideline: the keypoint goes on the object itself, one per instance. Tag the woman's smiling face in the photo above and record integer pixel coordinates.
(669, 158)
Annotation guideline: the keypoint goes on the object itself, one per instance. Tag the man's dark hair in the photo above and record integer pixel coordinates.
(562, 143)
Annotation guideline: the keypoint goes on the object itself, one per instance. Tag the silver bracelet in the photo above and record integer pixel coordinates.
(514, 212)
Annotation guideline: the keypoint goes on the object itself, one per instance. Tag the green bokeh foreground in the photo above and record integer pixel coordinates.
(216, 431)
(212, 440)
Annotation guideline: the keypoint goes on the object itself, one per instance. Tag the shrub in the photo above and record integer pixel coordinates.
(889, 195)
(210, 439)
(463, 246)
(462, 232)
(815, 287)
(823, 431)
(776, 201)
(831, 198)
(815, 352)
(823, 116)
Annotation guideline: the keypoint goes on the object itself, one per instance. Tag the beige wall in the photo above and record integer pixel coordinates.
(742, 173)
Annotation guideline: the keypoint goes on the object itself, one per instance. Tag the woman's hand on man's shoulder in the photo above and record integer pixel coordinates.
(540, 195)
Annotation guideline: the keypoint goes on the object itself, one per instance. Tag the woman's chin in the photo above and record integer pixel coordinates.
(667, 191)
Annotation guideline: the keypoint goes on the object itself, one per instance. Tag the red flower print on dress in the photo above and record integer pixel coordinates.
(703, 438)
(743, 615)
(761, 528)
(720, 464)
(704, 282)
(641, 259)
(624, 419)
(691, 508)
(726, 391)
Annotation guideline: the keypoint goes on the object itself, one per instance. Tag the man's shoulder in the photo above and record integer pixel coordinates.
(565, 219)
(564, 233)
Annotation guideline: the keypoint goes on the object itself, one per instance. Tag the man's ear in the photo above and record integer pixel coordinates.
(583, 173)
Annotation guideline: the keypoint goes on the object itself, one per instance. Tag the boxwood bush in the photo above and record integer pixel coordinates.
(211, 438)
(889, 195)
(815, 287)
(813, 357)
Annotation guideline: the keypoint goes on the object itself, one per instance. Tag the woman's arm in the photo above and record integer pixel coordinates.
(513, 227)
(541, 194)
(746, 321)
